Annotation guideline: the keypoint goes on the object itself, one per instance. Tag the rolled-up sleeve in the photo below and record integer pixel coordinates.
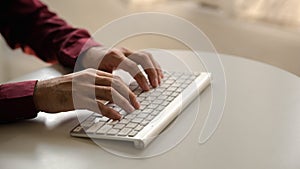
(30, 25)
(16, 101)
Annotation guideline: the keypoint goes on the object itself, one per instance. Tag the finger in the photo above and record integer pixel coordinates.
(124, 90)
(144, 59)
(118, 84)
(157, 67)
(118, 60)
(98, 107)
(108, 112)
(112, 95)
(133, 69)
(111, 60)
(127, 52)
(102, 73)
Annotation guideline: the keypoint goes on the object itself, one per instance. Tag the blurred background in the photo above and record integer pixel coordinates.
(263, 30)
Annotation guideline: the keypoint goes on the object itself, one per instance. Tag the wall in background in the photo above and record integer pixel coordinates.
(255, 40)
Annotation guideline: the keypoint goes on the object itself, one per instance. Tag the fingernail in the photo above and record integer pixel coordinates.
(137, 104)
(118, 117)
(131, 109)
(155, 83)
(146, 87)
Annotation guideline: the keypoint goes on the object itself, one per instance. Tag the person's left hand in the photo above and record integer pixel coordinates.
(121, 58)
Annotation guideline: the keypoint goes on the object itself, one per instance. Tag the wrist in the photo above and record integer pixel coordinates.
(37, 95)
(92, 57)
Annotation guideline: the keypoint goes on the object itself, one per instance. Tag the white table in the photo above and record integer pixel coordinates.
(260, 128)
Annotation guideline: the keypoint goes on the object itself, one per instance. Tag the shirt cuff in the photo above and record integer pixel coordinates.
(16, 101)
(68, 56)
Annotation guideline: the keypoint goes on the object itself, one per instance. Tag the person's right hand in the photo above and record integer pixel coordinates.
(84, 90)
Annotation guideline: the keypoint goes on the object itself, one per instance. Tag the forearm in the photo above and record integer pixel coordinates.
(16, 101)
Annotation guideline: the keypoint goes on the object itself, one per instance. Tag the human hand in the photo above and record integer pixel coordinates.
(121, 58)
(84, 90)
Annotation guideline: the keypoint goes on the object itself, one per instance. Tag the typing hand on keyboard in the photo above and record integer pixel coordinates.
(140, 65)
(158, 107)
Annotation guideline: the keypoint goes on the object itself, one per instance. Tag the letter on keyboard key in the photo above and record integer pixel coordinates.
(124, 131)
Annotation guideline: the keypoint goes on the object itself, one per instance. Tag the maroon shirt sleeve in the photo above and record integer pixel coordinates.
(16, 101)
(30, 25)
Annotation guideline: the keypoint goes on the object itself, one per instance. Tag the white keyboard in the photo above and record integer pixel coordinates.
(159, 107)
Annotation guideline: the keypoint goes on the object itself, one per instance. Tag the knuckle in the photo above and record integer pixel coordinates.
(107, 80)
(89, 70)
(123, 49)
(117, 78)
(114, 51)
(123, 102)
(108, 92)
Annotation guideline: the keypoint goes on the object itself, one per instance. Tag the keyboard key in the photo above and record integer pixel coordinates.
(87, 124)
(165, 103)
(160, 108)
(77, 129)
(152, 106)
(150, 117)
(138, 127)
(174, 94)
(95, 127)
(137, 120)
(171, 89)
(131, 125)
(143, 107)
(119, 126)
(112, 122)
(104, 129)
(163, 97)
(113, 132)
(170, 98)
(147, 111)
(146, 102)
(103, 119)
(124, 121)
(144, 122)
(124, 131)
(155, 113)
(130, 116)
(142, 115)
(132, 133)
(150, 98)
(158, 101)
(91, 118)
